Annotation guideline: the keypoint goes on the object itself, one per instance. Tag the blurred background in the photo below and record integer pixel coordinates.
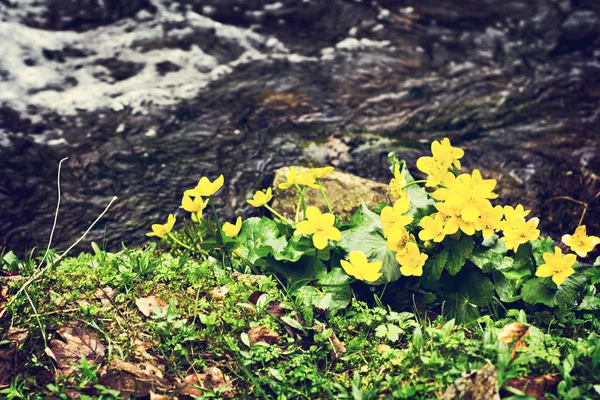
(147, 96)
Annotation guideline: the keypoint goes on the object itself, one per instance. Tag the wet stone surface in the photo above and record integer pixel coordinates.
(145, 97)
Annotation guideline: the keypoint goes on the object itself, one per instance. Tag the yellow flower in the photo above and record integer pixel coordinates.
(261, 198)
(320, 226)
(232, 230)
(433, 228)
(393, 219)
(580, 242)
(162, 230)
(360, 268)
(193, 206)
(443, 157)
(452, 214)
(489, 221)
(319, 173)
(446, 148)
(397, 241)
(517, 231)
(412, 261)
(294, 178)
(397, 183)
(557, 266)
(205, 187)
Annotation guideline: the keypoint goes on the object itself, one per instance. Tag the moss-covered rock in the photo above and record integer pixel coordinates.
(345, 193)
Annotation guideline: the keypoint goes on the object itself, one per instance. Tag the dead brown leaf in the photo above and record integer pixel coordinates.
(475, 385)
(9, 360)
(78, 341)
(211, 379)
(514, 333)
(147, 304)
(106, 295)
(263, 334)
(135, 380)
(219, 292)
(537, 387)
(337, 347)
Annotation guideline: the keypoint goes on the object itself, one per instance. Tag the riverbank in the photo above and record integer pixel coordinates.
(146, 322)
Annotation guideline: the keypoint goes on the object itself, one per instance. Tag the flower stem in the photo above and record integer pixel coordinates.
(297, 210)
(216, 217)
(281, 217)
(533, 262)
(179, 242)
(221, 234)
(414, 183)
(324, 196)
(301, 193)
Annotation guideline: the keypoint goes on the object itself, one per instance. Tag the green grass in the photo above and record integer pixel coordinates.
(388, 353)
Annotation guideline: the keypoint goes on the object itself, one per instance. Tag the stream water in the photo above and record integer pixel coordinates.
(145, 97)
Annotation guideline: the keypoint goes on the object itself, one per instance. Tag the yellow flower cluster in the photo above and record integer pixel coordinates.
(394, 222)
(444, 156)
(516, 229)
(464, 204)
(306, 178)
(204, 188)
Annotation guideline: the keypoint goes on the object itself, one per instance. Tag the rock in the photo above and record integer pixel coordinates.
(581, 24)
(344, 191)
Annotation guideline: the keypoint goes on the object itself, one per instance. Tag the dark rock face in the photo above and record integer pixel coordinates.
(148, 97)
(76, 15)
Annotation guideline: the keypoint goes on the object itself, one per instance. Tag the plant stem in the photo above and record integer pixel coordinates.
(414, 183)
(179, 242)
(221, 234)
(297, 210)
(533, 262)
(281, 217)
(301, 193)
(324, 196)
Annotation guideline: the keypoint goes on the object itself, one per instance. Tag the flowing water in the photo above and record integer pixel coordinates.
(146, 96)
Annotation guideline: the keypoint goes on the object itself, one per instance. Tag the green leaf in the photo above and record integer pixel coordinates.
(296, 247)
(363, 234)
(474, 290)
(419, 198)
(260, 236)
(593, 274)
(570, 290)
(303, 270)
(536, 291)
(381, 331)
(341, 295)
(10, 260)
(590, 303)
(597, 262)
(394, 332)
(490, 255)
(459, 250)
(541, 246)
(507, 289)
(432, 270)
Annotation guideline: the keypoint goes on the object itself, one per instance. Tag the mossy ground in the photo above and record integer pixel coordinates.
(248, 329)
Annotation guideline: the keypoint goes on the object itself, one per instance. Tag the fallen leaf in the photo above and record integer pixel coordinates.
(211, 379)
(105, 295)
(537, 387)
(263, 334)
(337, 347)
(9, 360)
(383, 348)
(135, 380)
(253, 298)
(156, 396)
(147, 304)
(219, 292)
(475, 385)
(78, 341)
(514, 333)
